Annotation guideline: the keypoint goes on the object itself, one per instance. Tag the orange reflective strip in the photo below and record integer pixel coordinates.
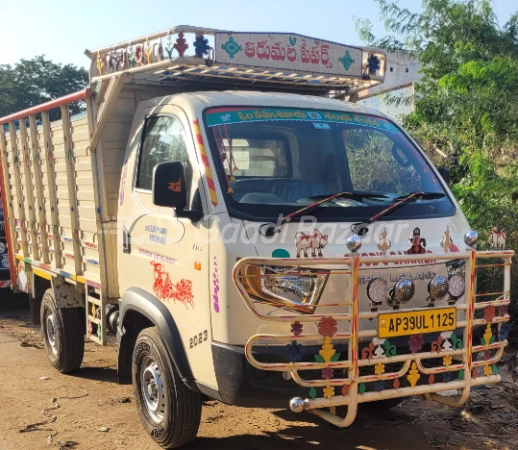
(205, 159)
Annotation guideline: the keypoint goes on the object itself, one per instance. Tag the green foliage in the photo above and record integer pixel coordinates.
(32, 82)
(466, 106)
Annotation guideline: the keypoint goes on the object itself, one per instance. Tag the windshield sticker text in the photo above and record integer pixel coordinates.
(253, 115)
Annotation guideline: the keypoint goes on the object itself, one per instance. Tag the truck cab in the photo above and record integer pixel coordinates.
(264, 242)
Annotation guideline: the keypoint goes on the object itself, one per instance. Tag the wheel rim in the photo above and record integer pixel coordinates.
(50, 331)
(152, 389)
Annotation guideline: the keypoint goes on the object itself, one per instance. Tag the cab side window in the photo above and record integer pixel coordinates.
(163, 141)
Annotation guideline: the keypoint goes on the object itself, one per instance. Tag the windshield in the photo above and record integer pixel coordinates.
(274, 161)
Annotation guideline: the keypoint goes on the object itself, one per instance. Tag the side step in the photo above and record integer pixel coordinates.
(95, 316)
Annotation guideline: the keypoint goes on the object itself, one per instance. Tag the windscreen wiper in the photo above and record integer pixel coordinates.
(361, 228)
(402, 200)
(328, 198)
(270, 229)
(353, 195)
(422, 196)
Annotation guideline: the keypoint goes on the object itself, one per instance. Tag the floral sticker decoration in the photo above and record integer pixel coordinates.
(201, 46)
(327, 327)
(329, 392)
(297, 328)
(328, 353)
(489, 313)
(327, 373)
(373, 63)
(379, 369)
(294, 352)
(416, 343)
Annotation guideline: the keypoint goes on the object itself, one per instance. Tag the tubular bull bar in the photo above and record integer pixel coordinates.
(417, 369)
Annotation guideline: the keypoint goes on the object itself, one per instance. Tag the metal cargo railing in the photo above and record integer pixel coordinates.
(372, 370)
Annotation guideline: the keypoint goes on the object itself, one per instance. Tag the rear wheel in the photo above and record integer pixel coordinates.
(63, 335)
(169, 410)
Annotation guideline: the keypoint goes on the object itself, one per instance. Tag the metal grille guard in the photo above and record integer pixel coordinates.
(352, 389)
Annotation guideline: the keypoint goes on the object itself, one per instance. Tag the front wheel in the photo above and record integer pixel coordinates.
(169, 410)
(63, 334)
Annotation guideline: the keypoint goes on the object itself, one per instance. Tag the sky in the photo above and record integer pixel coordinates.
(63, 29)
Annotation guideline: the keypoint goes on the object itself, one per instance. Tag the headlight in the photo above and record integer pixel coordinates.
(377, 290)
(5, 262)
(457, 285)
(293, 288)
(404, 290)
(2, 248)
(438, 287)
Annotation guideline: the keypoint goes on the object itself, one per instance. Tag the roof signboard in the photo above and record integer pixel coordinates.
(193, 58)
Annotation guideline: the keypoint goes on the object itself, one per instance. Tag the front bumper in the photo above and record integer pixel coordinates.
(360, 371)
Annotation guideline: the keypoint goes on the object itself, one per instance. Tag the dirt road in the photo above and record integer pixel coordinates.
(76, 407)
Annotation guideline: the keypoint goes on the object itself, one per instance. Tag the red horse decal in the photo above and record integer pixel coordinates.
(166, 290)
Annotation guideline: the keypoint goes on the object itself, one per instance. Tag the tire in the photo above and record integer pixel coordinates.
(63, 334)
(174, 421)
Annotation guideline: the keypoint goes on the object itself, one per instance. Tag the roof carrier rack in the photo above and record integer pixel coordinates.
(201, 58)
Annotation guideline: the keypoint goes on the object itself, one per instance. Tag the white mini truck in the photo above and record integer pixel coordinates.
(248, 235)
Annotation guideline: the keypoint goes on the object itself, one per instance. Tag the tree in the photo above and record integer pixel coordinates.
(467, 98)
(466, 104)
(38, 80)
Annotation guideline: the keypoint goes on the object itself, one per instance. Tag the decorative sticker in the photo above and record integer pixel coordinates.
(447, 242)
(123, 183)
(175, 186)
(23, 281)
(165, 290)
(297, 328)
(206, 163)
(497, 239)
(245, 115)
(157, 234)
(418, 243)
(156, 256)
(215, 282)
(384, 244)
(314, 242)
(280, 253)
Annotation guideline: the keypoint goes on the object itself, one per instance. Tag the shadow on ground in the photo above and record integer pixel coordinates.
(107, 375)
(363, 435)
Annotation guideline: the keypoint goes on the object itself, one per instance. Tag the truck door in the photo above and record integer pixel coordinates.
(160, 253)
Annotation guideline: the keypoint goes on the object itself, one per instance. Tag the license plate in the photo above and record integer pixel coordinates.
(416, 322)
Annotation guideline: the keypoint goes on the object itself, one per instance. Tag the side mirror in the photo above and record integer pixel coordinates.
(445, 174)
(169, 189)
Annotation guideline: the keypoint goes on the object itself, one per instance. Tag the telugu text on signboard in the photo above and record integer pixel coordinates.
(288, 51)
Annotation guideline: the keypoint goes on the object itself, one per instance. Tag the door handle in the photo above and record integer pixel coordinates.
(126, 240)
